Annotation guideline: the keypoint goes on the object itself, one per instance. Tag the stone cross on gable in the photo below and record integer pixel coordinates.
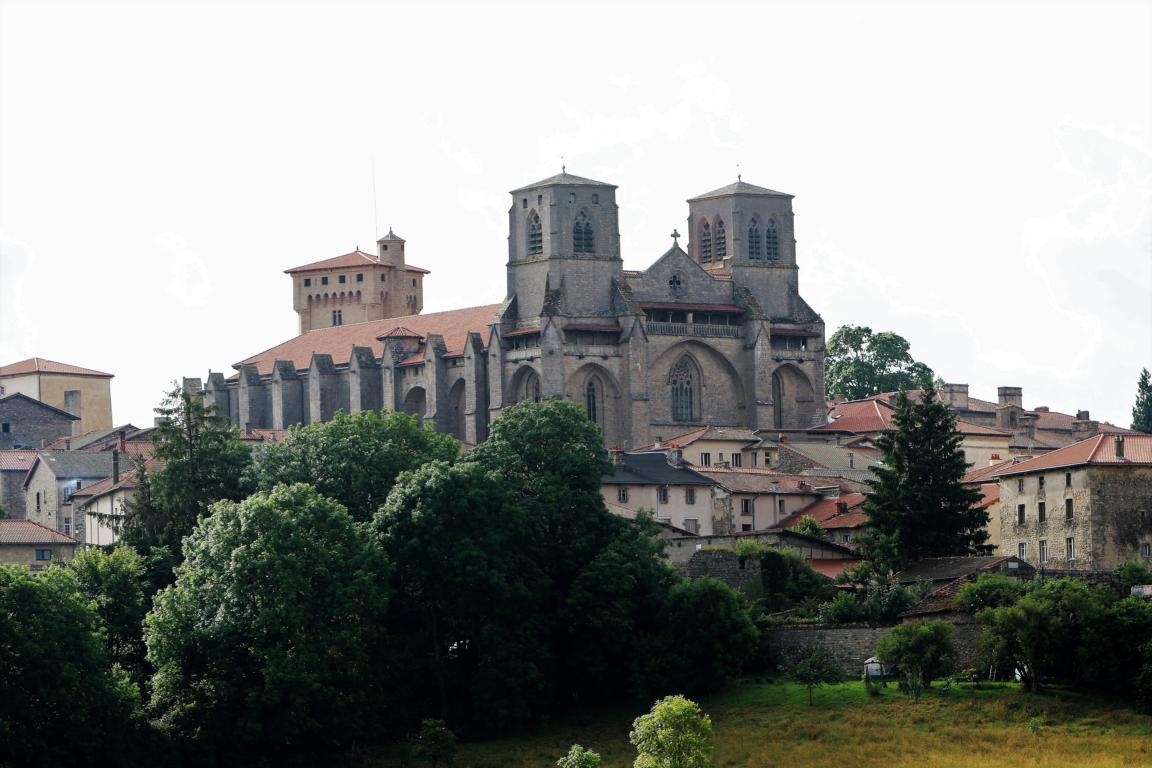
(675, 237)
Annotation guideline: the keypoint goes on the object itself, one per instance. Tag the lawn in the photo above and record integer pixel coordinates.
(771, 724)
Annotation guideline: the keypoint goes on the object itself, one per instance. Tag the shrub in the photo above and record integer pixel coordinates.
(578, 757)
(842, 609)
(921, 651)
(434, 744)
(813, 667)
(990, 590)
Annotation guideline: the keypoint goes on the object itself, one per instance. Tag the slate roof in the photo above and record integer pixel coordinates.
(835, 456)
(97, 439)
(1100, 449)
(356, 258)
(338, 340)
(31, 532)
(73, 465)
(951, 568)
(750, 480)
(653, 469)
(41, 365)
(740, 188)
(50, 408)
(566, 179)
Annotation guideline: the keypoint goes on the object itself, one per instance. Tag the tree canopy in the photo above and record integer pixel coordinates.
(859, 363)
(1142, 410)
(354, 459)
(675, 734)
(917, 505)
(921, 650)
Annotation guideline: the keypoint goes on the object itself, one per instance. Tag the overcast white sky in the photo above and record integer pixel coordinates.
(975, 178)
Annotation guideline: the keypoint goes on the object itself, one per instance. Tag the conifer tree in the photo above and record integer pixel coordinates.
(1142, 411)
(917, 504)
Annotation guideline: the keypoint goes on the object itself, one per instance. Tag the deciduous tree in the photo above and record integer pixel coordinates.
(675, 734)
(115, 582)
(859, 363)
(922, 651)
(813, 667)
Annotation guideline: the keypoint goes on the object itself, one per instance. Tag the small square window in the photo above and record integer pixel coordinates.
(43, 554)
(571, 198)
(324, 280)
(736, 459)
(705, 459)
(747, 507)
(692, 525)
(359, 277)
(745, 527)
(343, 279)
(307, 282)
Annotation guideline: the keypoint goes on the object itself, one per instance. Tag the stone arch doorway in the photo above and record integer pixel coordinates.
(792, 398)
(416, 403)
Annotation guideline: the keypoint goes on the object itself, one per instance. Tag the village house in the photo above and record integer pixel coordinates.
(758, 499)
(14, 466)
(27, 423)
(842, 516)
(718, 446)
(25, 542)
(662, 484)
(53, 479)
(82, 392)
(1084, 507)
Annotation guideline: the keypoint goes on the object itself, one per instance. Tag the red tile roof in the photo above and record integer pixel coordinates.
(990, 495)
(874, 414)
(16, 460)
(1100, 449)
(354, 259)
(827, 513)
(830, 568)
(748, 480)
(30, 532)
(704, 433)
(338, 340)
(982, 474)
(40, 365)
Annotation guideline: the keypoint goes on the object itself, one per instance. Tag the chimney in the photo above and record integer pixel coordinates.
(115, 466)
(1010, 396)
(851, 460)
(247, 429)
(1119, 446)
(675, 457)
(121, 439)
(616, 455)
(1083, 416)
(955, 395)
(1084, 427)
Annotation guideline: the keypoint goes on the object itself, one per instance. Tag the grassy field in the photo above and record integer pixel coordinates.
(761, 725)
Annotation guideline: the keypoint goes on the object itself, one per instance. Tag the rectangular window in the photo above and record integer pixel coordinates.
(720, 458)
(705, 459)
(337, 317)
(754, 458)
(307, 282)
(359, 277)
(5, 428)
(67, 526)
(736, 459)
(1068, 509)
(662, 494)
(1041, 511)
(43, 554)
(622, 495)
(1069, 548)
(780, 507)
(1067, 479)
(383, 277)
(747, 507)
(692, 525)
(1020, 515)
(413, 282)
(343, 279)
(37, 501)
(1040, 481)
(1043, 550)
(1020, 485)
(324, 280)
(1146, 550)
(689, 495)
(1022, 550)
(745, 526)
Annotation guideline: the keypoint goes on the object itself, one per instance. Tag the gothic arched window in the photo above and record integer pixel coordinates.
(684, 381)
(535, 235)
(755, 244)
(591, 399)
(721, 240)
(582, 240)
(772, 241)
(705, 242)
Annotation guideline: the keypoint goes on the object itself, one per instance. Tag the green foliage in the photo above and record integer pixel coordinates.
(354, 459)
(707, 637)
(1142, 410)
(202, 459)
(860, 363)
(468, 616)
(990, 590)
(788, 581)
(268, 639)
(922, 651)
(578, 757)
(3, 513)
(843, 608)
(808, 526)
(434, 744)
(877, 604)
(674, 734)
(61, 702)
(1132, 572)
(749, 547)
(813, 667)
(115, 584)
(917, 504)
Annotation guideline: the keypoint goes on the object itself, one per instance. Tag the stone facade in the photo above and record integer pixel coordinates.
(716, 335)
(30, 424)
(80, 391)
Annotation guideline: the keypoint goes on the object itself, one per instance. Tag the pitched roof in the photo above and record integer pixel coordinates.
(338, 340)
(653, 469)
(989, 495)
(566, 179)
(127, 481)
(829, 567)
(705, 433)
(949, 568)
(831, 456)
(874, 414)
(97, 439)
(827, 513)
(982, 474)
(41, 365)
(16, 461)
(51, 408)
(749, 480)
(740, 188)
(1100, 449)
(73, 465)
(356, 258)
(31, 532)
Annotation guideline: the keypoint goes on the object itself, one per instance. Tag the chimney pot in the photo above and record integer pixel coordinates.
(1119, 446)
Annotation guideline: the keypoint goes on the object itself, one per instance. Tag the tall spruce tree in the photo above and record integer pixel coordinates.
(1142, 411)
(917, 504)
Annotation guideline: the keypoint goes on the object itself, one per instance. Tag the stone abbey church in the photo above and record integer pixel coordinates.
(716, 335)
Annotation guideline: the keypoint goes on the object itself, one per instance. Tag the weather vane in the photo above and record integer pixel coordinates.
(563, 167)
(738, 172)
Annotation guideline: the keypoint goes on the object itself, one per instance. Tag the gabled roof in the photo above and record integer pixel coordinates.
(338, 340)
(31, 532)
(41, 365)
(874, 414)
(97, 439)
(740, 188)
(704, 433)
(950, 568)
(73, 465)
(653, 469)
(565, 179)
(1100, 449)
(16, 461)
(356, 258)
(750, 480)
(827, 513)
(983, 474)
(50, 408)
(128, 480)
(829, 456)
